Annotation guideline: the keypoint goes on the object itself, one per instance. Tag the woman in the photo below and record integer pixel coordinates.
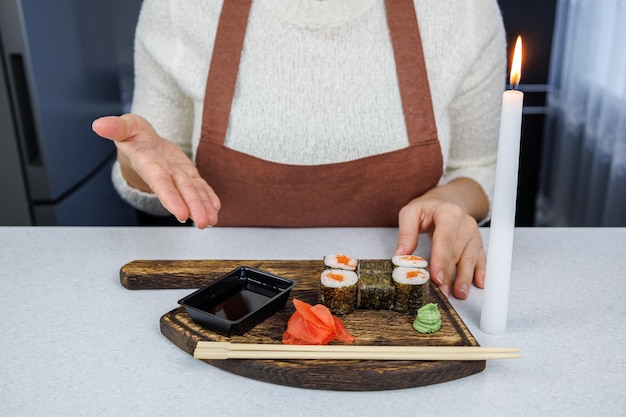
(319, 113)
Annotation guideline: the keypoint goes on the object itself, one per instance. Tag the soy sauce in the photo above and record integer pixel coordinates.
(238, 304)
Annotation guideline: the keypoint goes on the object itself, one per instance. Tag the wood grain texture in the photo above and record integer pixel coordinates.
(164, 274)
(370, 327)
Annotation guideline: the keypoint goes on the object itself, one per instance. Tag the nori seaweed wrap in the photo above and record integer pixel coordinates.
(338, 290)
(376, 289)
(411, 289)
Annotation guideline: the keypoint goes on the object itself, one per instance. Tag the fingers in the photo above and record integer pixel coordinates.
(114, 128)
(457, 244)
(445, 247)
(187, 197)
(189, 202)
(105, 126)
(200, 200)
(457, 257)
(480, 271)
(471, 262)
(162, 185)
(122, 128)
(410, 219)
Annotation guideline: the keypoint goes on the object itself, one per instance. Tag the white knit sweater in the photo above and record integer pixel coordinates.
(317, 81)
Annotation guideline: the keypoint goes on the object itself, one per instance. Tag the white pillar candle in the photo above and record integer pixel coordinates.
(500, 250)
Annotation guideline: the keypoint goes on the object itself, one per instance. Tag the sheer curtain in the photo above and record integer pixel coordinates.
(583, 173)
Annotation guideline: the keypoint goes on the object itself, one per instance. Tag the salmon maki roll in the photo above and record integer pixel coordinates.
(411, 289)
(338, 290)
(340, 261)
(376, 289)
(409, 261)
(375, 266)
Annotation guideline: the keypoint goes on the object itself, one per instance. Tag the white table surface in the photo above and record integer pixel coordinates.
(74, 342)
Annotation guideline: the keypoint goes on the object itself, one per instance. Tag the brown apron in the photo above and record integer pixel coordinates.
(363, 192)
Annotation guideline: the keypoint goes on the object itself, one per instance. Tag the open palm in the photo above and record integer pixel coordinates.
(154, 164)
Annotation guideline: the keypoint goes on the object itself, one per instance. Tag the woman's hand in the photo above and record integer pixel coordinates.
(448, 213)
(153, 164)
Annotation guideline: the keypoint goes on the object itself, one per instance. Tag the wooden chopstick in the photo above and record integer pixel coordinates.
(226, 350)
(275, 346)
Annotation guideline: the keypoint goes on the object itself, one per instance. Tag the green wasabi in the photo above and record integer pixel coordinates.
(428, 319)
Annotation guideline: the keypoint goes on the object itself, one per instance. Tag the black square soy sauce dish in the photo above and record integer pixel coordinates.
(238, 301)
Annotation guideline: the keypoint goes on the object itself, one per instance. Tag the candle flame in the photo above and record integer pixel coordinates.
(516, 65)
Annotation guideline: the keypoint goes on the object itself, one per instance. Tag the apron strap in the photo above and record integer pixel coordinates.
(411, 70)
(220, 86)
(408, 54)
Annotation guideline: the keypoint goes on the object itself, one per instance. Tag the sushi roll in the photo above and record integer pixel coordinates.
(340, 261)
(376, 289)
(409, 261)
(375, 266)
(338, 290)
(411, 289)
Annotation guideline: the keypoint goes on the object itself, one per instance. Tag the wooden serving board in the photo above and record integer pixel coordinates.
(370, 327)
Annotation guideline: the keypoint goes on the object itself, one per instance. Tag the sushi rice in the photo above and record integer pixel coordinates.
(410, 276)
(337, 278)
(409, 261)
(340, 261)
